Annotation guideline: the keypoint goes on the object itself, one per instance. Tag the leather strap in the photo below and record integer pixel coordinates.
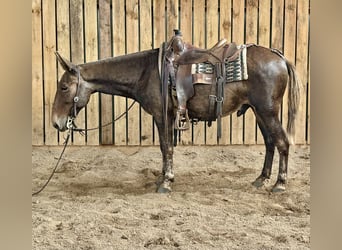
(202, 78)
(164, 86)
(220, 74)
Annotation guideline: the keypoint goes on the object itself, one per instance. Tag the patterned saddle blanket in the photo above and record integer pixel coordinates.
(236, 70)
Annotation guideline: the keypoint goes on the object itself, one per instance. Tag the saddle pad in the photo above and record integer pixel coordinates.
(236, 70)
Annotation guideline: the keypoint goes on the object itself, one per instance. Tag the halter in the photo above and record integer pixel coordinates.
(70, 122)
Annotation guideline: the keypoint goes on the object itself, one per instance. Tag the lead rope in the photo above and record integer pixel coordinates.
(54, 170)
(81, 130)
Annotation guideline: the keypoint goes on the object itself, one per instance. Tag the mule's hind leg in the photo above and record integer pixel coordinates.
(283, 145)
(279, 139)
(270, 147)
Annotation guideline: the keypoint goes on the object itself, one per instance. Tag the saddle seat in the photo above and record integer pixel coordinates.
(219, 53)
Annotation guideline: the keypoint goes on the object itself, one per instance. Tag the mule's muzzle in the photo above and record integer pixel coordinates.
(55, 125)
(59, 127)
(59, 123)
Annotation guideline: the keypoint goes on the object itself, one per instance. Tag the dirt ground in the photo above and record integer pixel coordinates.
(104, 197)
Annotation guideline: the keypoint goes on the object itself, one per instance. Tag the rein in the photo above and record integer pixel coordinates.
(70, 122)
(54, 170)
(72, 127)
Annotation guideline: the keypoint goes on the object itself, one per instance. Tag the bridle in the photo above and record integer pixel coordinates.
(70, 121)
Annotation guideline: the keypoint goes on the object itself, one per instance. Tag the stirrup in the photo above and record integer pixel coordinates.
(182, 120)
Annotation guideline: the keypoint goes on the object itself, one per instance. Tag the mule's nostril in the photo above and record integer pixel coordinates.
(55, 125)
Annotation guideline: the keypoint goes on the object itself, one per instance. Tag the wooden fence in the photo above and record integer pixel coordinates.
(88, 30)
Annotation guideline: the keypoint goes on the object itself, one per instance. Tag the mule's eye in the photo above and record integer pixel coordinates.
(64, 88)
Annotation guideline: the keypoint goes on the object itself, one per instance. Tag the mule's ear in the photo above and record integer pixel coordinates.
(67, 65)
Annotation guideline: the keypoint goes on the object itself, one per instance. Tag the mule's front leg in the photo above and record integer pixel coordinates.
(164, 185)
(166, 147)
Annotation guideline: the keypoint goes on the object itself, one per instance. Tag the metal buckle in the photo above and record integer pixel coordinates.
(216, 98)
(219, 99)
(70, 122)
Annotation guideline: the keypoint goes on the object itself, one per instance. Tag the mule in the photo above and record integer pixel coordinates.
(136, 76)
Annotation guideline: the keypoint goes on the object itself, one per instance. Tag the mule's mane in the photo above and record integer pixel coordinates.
(119, 75)
(137, 57)
(124, 68)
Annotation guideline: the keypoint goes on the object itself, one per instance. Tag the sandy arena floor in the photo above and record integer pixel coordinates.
(104, 198)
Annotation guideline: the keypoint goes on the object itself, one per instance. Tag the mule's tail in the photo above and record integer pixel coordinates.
(293, 100)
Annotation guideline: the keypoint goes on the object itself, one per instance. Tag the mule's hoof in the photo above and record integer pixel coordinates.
(164, 188)
(278, 188)
(259, 182)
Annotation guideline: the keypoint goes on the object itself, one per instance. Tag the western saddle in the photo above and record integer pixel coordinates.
(179, 53)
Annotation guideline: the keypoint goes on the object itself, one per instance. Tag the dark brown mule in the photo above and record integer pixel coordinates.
(136, 76)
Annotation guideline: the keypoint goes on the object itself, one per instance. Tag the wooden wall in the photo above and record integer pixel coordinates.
(88, 30)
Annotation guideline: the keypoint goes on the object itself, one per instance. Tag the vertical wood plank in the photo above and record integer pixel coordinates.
(199, 41)
(238, 38)
(289, 46)
(212, 38)
(290, 30)
(251, 37)
(186, 20)
(145, 23)
(277, 24)
(302, 66)
(172, 17)
(308, 106)
(119, 47)
(226, 19)
(171, 24)
(37, 75)
(50, 68)
(105, 52)
(159, 23)
(63, 33)
(264, 23)
(132, 45)
(77, 54)
(159, 36)
(264, 38)
(186, 28)
(277, 33)
(91, 54)
(226, 32)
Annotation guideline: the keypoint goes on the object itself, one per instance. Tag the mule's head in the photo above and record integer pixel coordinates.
(71, 85)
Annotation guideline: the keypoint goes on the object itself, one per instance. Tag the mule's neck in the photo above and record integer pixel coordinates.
(122, 75)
